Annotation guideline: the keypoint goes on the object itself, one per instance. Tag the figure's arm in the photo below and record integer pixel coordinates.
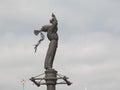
(36, 32)
(54, 17)
(54, 21)
(43, 29)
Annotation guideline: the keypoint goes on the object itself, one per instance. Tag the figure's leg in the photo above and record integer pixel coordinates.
(50, 54)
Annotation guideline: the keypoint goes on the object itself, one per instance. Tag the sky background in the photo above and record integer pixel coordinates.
(89, 43)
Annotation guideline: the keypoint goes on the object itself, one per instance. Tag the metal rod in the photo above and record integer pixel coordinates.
(23, 83)
(49, 78)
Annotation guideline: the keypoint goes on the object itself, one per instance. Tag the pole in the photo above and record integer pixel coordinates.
(51, 78)
(23, 86)
(23, 82)
(85, 88)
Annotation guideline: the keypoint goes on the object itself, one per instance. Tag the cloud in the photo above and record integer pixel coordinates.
(94, 61)
(88, 50)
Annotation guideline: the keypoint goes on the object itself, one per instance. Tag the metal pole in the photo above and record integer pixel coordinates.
(23, 82)
(23, 86)
(51, 78)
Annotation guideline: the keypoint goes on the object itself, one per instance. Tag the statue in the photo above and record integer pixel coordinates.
(51, 75)
(52, 35)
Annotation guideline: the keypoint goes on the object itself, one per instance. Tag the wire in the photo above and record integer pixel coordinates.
(40, 75)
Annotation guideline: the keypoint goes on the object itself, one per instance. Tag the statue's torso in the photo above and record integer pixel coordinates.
(52, 34)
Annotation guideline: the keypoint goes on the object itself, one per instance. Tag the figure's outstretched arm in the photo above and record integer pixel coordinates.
(43, 29)
(36, 32)
(54, 19)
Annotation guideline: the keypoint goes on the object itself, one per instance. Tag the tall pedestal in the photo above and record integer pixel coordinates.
(51, 78)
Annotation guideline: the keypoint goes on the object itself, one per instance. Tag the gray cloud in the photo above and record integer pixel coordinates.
(88, 49)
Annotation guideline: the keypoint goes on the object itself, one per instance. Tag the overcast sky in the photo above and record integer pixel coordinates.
(89, 43)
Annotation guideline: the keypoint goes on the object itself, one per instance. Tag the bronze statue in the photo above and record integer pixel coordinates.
(51, 76)
(52, 35)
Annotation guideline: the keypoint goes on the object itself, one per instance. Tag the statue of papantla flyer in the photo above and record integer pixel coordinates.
(51, 76)
(52, 35)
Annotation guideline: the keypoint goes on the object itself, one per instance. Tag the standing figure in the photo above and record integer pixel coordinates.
(52, 35)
